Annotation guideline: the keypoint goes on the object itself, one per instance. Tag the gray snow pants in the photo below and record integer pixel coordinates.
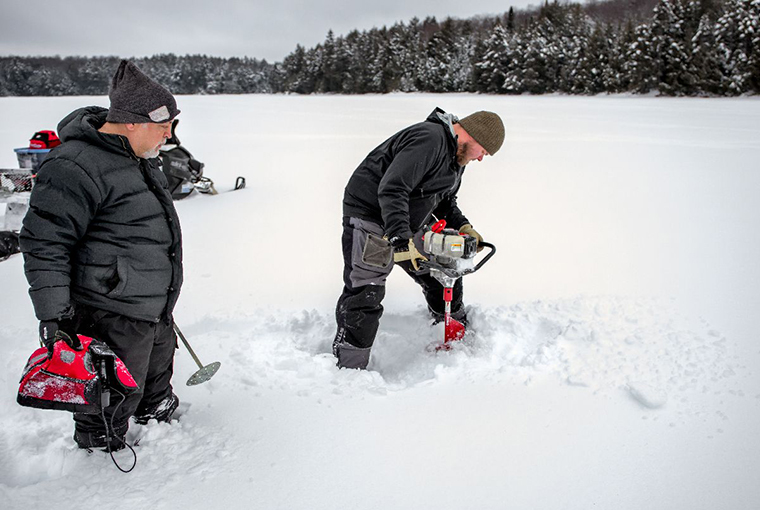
(360, 307)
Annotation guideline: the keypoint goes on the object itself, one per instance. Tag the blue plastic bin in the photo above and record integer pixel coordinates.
(30, 158)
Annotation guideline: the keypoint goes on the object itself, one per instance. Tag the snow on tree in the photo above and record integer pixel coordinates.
(684, 47)
(737, 33)
(705, 59)
(491, 68)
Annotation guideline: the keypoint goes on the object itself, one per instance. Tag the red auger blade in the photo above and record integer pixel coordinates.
(453, 332)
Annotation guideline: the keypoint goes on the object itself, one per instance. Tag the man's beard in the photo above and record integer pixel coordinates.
(462, 151)
(153, 153)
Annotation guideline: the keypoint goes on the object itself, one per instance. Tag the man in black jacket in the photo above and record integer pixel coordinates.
(400, 186)
(103, 250)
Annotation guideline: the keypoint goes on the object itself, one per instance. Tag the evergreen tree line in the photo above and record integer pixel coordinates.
(688, 47)
(683, 47)
(675, 47)
(191, 74)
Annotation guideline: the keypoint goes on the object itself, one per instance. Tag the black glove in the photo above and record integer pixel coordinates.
(52, 331)
(467, 229)
(408, 252)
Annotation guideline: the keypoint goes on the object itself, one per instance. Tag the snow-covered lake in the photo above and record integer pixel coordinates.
(614, 360)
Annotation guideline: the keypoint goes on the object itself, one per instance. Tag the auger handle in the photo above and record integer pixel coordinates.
(486, 258)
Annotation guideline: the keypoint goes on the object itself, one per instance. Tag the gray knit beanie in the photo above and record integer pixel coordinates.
(486, 128)
(137, 99)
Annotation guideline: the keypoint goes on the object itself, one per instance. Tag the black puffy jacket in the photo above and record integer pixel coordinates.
(409, 177)
(101, 228)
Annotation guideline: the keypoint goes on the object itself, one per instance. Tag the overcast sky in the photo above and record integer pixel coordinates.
(258, 28)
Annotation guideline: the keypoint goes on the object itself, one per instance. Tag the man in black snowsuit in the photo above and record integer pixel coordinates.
(102, 246)
(399, 188)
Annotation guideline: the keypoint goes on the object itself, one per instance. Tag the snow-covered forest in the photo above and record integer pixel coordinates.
(681, 47)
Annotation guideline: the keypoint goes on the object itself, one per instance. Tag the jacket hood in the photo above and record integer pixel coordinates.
(447, 120)
(83, 125)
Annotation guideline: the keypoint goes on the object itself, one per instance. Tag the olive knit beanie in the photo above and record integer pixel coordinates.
(137, 99)
(486, 128)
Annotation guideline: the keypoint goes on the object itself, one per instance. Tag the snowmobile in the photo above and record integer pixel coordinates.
(451, 256)
(184, 172)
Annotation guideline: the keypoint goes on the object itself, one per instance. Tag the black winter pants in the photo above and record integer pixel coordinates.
(360, 305)
(147, 349)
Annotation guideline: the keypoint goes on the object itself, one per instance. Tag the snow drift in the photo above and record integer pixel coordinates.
(612, 359)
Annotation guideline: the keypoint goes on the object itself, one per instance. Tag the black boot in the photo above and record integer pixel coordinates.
(350, 356)
(161, 411)
(98, 439)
